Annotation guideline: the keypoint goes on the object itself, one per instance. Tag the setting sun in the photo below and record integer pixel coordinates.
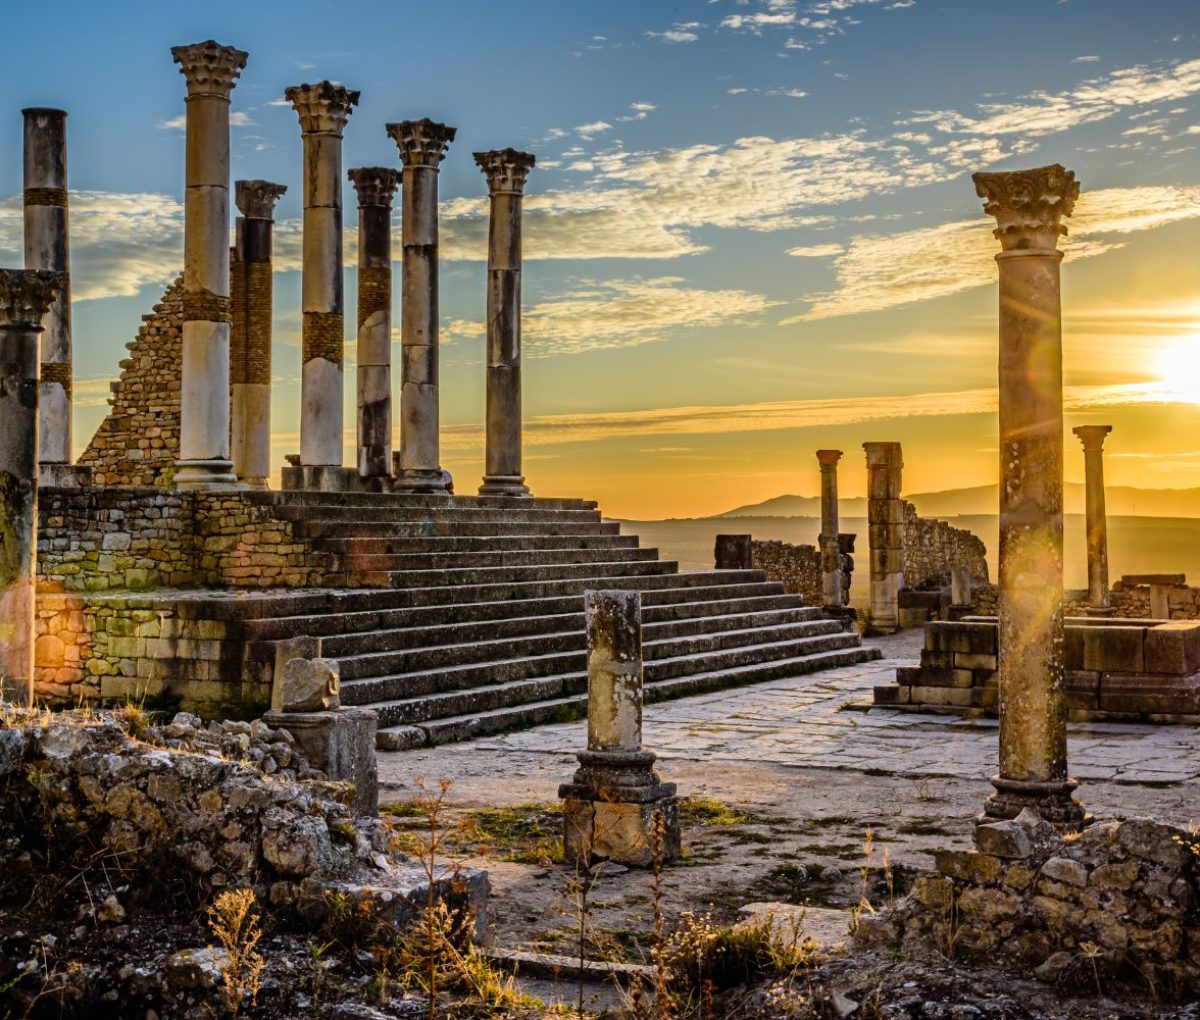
(1178, 366)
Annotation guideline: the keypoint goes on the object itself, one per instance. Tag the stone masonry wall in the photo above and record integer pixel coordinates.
(931, 547)
(104, 539)
(138, 442)
(796, 567)
(1130, 603)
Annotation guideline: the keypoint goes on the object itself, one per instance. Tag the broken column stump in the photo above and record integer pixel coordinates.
(610, 808)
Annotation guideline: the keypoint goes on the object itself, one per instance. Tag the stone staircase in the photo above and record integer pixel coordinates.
(454, 617)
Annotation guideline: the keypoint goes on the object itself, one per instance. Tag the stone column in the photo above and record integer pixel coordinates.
(376, 186)
(1092, 437)
(422, 145)
(1028, 207)
(506, 171)
(609, 807)
(831, 560)
(204, 463)
(47, 246)
(250, 332)
(26, 296)
(884, 531)
(323, 109)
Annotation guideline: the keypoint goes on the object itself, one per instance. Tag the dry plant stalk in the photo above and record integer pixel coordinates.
(236, 927)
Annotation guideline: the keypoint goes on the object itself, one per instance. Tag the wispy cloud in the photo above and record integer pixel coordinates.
(589, 131)
(680, 32)
(236, 119)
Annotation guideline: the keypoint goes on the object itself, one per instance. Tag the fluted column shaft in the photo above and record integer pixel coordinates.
(25, 298)
(831, 559)
(506, 171)
(323, 110)
(376, 187)
(1028, 207)
(1092, 437)
(422, 146)
(47, 246)
(250, 336)
(204, 461)
(884, 521)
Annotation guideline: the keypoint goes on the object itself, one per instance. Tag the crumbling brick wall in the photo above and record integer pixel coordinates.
(138, 442)
(796, 567)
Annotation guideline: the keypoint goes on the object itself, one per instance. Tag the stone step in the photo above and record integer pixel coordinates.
(516, 711)
(390, 661)
(320, 617)
(416, 688)
(469, 630)
(338, 500)
(391, 528)
(376, 546)
(392, 563)
(449, 514)
(482, 576)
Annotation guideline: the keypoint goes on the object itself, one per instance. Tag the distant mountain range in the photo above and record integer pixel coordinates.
(1120, 500)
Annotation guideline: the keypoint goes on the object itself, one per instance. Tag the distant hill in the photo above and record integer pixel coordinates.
(1121, 501)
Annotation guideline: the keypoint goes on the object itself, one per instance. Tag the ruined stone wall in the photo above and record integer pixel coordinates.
(796, 567)
(138, 442)
(1129, 603)
(105, 539)
(931, 547)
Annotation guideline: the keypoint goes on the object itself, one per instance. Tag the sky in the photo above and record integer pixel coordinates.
(751, 232)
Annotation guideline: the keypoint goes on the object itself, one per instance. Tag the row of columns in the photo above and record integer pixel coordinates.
(206, 428)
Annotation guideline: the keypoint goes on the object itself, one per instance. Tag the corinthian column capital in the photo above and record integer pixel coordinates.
(26, 295)
(421, 142)
(505, 169)
(828, 458)
(1029, 205)
(376, 185)
(256, 199)
(209, 68)
(323, 108)
(1092, 436)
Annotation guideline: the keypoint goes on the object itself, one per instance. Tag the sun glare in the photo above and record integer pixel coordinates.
(1178, 366)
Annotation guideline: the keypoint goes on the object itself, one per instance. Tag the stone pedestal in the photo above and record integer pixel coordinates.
(250, 332)
(376, 186)
(26, 296)
(341, 743)
(733, 552)
(204, 462)
(831, 560)
(1092, 437)
(611, 807)
(47, 246)
(422, 145)
(506, 171)
(1028, 207)
(884, 528)
(323, 110)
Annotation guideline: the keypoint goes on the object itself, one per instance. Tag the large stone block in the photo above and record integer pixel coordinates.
(620, 832)
(341, 744)
(1140, 694)
(1118, 649)
(732, 552)
(1173, 648)
(964, 636)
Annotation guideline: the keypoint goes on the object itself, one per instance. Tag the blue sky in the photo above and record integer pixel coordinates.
(751, 233)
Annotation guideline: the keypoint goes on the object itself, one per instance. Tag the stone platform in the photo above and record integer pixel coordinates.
(450, 616)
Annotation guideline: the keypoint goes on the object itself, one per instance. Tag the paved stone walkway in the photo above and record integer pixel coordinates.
(823, 721)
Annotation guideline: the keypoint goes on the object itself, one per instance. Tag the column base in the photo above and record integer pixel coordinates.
(421, 481)
(205, 474)
(258, 484)
(1053, 801)
(505, 485)
(1098, 611)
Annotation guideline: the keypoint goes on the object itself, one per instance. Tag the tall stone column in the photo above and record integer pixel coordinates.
(506, 171)
(47, 246)
(323, 109)
(26, 296)
(1028, 207)
(1092, 437)
(422, 145)
(204, 462)
(250, 333)
(831, 559)
(376, 186)
(884, 530)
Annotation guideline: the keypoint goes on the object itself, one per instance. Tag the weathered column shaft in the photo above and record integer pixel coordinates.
(323, 109)
(884, 524)
(422, 146)
(250, 359)
(831, 559)
(25, 297)
(47, 246)
(204, 463)
(614, 640)
(506, 171)
(1033, 739)
(376, 187)
(1092, 437)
